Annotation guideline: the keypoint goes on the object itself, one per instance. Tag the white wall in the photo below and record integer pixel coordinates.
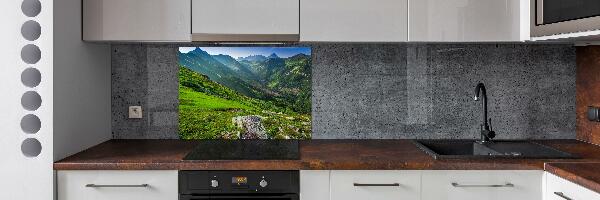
(23, 177)
(82, 86)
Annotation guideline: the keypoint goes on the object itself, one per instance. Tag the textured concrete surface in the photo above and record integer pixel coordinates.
(378, 91)
(145, 75)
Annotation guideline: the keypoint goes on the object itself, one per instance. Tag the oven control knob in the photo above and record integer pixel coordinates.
(263, 183)
(214, 183)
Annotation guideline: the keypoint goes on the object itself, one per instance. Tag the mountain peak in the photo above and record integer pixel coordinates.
(300, 56)
(273, 55)
(253, 58)
(198, 51)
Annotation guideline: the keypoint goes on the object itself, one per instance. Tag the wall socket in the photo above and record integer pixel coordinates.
(135, 112)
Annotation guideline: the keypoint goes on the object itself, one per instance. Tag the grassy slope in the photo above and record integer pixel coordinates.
(206, 109)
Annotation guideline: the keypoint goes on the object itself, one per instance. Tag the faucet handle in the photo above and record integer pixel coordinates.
(492, 133)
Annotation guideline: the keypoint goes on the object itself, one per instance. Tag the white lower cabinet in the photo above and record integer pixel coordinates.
(117, 185)
(482, 185)
(560, 189)
(314, 184)
(341, 185)
(375, 185)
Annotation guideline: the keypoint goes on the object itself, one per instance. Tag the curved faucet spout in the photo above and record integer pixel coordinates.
(481, 88)
(486, 133)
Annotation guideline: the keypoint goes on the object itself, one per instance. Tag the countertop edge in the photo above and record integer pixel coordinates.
(571, 176)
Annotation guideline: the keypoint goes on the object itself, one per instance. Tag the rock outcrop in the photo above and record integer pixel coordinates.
(251, 126)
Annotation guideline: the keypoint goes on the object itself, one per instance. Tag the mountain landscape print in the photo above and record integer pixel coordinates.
(245, 92)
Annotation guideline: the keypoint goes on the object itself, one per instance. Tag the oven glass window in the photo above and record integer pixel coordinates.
(554, 11)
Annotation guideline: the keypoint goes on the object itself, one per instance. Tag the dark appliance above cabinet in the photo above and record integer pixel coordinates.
(553, 17)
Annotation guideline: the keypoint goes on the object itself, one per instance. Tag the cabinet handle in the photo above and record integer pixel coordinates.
(115, 186)
(469, 186)
(562, 195)
(376, 184)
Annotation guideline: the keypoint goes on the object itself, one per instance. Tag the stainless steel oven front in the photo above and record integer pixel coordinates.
(552, 17)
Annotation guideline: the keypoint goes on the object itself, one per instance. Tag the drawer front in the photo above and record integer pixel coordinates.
(375, 185)
(482, 185)
(117, 185)
(560, 189)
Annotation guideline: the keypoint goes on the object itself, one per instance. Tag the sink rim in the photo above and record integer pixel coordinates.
(437, 156)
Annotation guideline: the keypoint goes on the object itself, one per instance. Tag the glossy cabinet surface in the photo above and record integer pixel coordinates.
(468, 20)
(354, 20)
(560, 189)
(481, 185)
(136, 20)
(375, 185)
(215, 19)
(314, 184)
(117, 185)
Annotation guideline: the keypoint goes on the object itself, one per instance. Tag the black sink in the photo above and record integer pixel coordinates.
(469, 149)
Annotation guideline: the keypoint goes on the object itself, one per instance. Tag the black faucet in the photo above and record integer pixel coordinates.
(487, 134)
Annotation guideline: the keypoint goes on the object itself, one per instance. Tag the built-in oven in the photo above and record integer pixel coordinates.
(238, 185)
(552, 17)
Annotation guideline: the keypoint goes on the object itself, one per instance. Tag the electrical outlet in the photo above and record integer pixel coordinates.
(135, 112)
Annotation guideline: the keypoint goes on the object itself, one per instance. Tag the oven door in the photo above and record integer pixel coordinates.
(241, 197)
(551, 17)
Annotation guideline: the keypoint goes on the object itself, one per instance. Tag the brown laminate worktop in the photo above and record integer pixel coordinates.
(584, 174)
(314, 155)
(331, 155)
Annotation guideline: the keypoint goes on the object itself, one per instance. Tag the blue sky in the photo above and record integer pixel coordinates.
(236, 52)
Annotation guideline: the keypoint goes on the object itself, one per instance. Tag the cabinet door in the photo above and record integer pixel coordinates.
(136, 20)
(560, 189)
(468, 21)
(314, 185)
(375, 185)
(353, 20)
(117, 185)
(245, 20)
(482, 185)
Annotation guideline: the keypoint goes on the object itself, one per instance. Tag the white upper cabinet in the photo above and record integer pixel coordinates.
(136, 20)
(307, 20)
(245, 20)
(468, 20)
(353, 20)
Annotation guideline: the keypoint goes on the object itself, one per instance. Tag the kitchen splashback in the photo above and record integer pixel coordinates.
(383, 91)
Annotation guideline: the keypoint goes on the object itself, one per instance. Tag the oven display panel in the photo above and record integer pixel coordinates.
(239, 180)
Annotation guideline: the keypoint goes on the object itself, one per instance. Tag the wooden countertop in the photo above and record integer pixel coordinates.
(584, 174)
(314, 155)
